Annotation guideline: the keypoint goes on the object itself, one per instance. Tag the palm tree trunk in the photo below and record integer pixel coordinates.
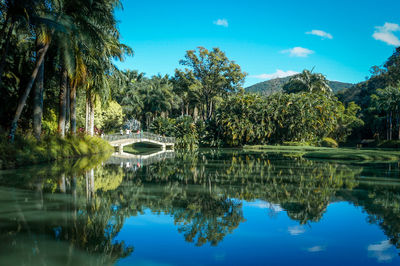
(387, 126)
(87, 113)
(38, 103)
(72, 107)
(91, 118)
(67, 110)
(63, 103)
(391, 126)
(42, 53)
(195, 114)
(5, 51)
(398, 125)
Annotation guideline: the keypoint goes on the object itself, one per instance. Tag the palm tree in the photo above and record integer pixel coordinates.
(308, 82)
(46, 22)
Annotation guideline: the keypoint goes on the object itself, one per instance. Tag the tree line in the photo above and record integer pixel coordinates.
(59, 49)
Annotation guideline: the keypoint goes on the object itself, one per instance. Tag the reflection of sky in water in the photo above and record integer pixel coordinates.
(340, 238)
(382, 251)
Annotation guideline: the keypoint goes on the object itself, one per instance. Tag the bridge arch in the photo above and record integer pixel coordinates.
(122, 140)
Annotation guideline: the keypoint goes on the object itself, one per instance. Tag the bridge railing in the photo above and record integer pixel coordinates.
(139, 136)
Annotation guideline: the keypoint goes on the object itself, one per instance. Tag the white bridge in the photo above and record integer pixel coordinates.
(121, 140)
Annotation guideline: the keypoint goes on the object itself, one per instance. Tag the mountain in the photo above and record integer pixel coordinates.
(275, 85)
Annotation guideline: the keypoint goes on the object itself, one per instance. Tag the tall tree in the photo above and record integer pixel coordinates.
(216, 74)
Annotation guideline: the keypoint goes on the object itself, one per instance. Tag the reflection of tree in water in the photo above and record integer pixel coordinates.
(206, 219)
(382, 203)
(303, 188)
(203, 193)
(84, 226)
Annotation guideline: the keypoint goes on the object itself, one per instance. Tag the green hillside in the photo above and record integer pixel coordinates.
(275, 85)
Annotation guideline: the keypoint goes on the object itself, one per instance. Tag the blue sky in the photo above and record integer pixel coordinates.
(341, 39)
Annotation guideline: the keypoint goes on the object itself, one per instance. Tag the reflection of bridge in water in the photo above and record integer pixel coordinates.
(135, 161)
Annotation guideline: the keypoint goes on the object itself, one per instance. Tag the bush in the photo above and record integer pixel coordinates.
(183, 129)
(27, 150)
(329, 143)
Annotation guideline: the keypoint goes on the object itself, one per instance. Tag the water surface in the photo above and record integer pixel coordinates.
(212, 207)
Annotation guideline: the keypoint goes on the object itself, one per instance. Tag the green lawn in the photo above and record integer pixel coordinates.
(141, 149)
(332, 153)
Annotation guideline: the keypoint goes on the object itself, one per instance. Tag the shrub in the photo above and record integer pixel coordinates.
(27, 150)
(183, 129)
(329, 143)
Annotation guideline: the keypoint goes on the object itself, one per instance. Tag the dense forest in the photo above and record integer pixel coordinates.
(57, 77)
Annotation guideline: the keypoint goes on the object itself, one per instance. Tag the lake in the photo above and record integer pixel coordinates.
(211, 207)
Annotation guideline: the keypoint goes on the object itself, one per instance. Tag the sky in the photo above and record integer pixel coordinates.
(342, 39)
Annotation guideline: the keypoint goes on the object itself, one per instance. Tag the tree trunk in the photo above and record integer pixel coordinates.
(398, 125)
(5, 51)
(391, 126)
(195, 114)
(207, 107)
(91, 119)
(42, 53)
(387, 126)
(72, 97)
(38, 103)
(63, 103)
(210, 111)
(87, 113)
(67, 110)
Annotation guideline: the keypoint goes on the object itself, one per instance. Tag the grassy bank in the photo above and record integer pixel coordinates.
(27, 150)
(332, 153)
(141, 148)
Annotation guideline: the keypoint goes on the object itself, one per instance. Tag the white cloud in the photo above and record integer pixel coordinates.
(296, 230)
(381, 251)
(221, 22)
(385, 34)
(267, 205)
(298, 52)
(278, 74)
(320, 33)
(316, 249)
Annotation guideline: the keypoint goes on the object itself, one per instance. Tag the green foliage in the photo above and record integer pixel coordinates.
(213, 74)
(49, 124)
(163, 126)
(240, 120)
(27, 150)
(186, 133)
(298, 117)
(182, 128)
(329, 143)
(113, 117)
(308, 82)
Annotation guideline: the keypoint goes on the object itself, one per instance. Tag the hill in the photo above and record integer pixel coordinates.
(275, 85)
